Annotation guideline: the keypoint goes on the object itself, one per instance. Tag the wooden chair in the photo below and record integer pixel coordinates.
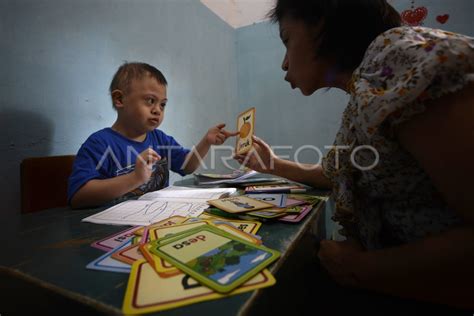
(44, 182)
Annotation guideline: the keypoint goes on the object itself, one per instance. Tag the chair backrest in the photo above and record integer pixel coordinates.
(44, 182)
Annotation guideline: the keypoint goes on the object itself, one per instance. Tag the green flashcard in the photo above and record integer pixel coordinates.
(215, 258)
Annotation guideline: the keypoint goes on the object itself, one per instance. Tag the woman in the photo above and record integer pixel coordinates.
(401, 164)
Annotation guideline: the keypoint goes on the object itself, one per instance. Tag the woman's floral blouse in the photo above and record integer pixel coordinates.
(383, 197)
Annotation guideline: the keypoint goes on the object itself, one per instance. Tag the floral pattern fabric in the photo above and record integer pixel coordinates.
(382, 196)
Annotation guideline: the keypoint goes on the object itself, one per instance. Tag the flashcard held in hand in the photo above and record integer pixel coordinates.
(245, 126)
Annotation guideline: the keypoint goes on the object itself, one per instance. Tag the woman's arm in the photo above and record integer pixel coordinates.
(262, 159)
(437, 268)
(310, 174)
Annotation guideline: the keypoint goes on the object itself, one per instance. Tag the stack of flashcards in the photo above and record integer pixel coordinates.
(283, 207)
(290, 208)
(259, 181)
(180, 261)
(276, 188)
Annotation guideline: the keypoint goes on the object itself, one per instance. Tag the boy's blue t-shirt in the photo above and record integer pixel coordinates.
(107, 154)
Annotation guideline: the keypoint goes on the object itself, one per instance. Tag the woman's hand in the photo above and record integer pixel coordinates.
(339, 259)
(260, 158)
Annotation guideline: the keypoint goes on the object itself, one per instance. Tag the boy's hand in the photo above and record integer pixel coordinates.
(217, 135)
(144, 165)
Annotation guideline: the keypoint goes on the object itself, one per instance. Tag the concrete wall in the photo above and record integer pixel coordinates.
(58, 58)
(285, 117)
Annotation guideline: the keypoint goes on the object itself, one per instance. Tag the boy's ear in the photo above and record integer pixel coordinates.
(117, 98)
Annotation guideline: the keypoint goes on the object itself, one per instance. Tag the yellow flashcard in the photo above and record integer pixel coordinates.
(250, 227)
(128, 254)
(239, 204)
(166, 231)
(148, 292)
(163, 268)
(245, 126)
(238, 233)
(166, 222)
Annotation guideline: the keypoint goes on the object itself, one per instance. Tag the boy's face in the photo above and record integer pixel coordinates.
(143, 107)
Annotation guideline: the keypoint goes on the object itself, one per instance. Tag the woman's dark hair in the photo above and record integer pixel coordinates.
(348, 26)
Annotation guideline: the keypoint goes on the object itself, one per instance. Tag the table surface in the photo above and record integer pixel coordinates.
(52, 248)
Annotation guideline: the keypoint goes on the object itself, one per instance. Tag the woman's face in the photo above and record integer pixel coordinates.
(303, 69)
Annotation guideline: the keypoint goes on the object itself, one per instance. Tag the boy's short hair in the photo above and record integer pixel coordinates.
(133, 71)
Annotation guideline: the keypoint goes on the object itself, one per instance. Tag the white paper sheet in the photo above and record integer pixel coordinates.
(159, 205)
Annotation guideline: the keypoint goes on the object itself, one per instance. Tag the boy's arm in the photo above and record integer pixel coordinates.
(216, 135)
(99, 191)
(195, 156)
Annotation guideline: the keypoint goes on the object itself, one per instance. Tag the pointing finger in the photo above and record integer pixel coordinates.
(230, 134)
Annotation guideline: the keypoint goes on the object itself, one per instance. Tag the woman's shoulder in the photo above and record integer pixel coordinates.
(409, 40)
(415, 33)
(405, 66)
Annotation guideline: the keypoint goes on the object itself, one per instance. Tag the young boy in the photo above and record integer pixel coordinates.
(132, 157)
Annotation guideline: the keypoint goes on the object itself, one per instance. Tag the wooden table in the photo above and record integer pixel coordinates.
(42, 266)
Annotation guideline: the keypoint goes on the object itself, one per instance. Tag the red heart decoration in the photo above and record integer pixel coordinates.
(442, 18)
(414, 17)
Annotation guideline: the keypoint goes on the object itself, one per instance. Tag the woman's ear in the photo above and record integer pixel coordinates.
(117, 98)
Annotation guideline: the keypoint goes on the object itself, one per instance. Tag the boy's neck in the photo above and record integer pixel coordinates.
(128, 132)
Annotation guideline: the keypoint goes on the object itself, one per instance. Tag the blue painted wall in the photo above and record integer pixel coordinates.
(58, 58)
(284, 117)
(287, 118)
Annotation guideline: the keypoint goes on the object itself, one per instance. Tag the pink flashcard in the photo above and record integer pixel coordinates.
(293, 202)
(296, 218)
(112, 242)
